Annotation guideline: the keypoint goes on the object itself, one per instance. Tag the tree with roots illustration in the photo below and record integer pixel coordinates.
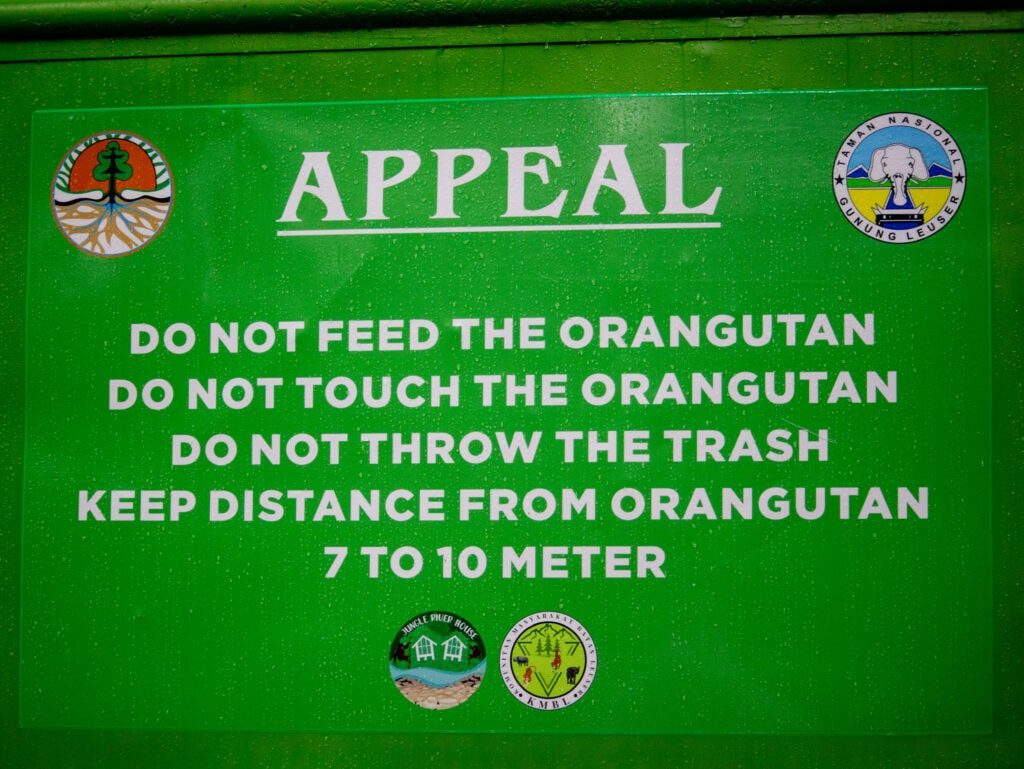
(107, 221)
(113, 165)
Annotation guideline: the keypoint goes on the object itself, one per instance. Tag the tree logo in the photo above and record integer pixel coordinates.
(548, 661)
(112, 194)
(437, 660)
(899, 177)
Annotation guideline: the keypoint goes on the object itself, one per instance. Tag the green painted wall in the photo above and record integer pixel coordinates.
(94, 56)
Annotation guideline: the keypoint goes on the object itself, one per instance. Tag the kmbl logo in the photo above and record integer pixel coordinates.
(548, 661)
(530, 174)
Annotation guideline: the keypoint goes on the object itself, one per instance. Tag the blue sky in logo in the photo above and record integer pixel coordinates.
(911, 137)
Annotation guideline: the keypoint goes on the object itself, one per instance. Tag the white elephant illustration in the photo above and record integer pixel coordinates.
(899, 164)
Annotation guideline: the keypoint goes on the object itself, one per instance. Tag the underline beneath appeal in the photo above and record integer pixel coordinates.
(501, 228)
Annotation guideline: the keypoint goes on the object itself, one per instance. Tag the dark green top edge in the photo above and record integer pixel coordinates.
(699, 95)
(64, 19)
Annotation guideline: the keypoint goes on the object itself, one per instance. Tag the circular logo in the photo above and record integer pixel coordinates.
(437, 660)
(112, 194)
(548, 661)
(899, 177)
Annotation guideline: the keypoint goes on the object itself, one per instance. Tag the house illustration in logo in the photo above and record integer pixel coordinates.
(454, 648)
(424, 649)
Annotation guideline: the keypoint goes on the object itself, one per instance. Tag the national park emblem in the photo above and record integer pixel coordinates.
(899, 177)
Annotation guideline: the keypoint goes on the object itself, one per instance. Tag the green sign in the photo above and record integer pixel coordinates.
(661, 414)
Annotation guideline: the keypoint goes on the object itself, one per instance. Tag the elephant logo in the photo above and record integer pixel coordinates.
(533, 655)
(897, 164)
(899, 177)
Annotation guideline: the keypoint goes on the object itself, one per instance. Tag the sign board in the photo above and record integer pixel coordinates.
(661, 413)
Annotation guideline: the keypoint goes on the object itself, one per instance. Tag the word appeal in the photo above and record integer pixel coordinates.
(527, 173)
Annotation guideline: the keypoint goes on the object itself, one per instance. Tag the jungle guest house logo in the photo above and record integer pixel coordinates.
(437, 660)
(899, 177)
(112, 194)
